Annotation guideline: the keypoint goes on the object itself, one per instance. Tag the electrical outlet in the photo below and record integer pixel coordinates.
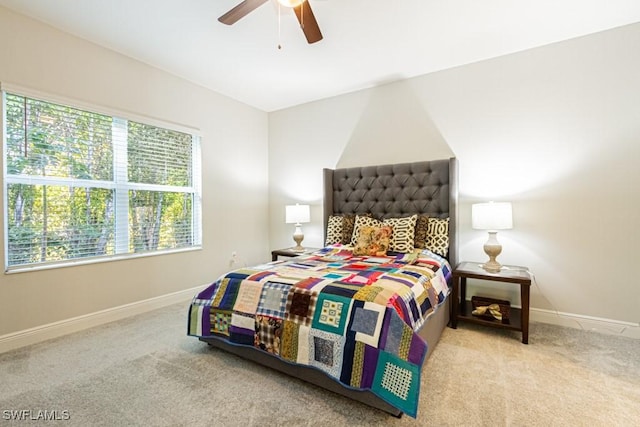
(233, 259)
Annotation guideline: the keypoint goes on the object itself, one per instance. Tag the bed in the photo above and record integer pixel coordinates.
(370, 318)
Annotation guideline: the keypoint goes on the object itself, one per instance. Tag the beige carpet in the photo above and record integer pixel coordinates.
(145, 371)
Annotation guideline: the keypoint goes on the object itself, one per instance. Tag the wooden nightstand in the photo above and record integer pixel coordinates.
(461, 308)
(289, 252)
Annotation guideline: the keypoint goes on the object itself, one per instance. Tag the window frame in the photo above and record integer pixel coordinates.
(121, 246)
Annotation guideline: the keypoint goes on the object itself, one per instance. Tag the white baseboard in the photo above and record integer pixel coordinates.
(53, 330)
(587, 323)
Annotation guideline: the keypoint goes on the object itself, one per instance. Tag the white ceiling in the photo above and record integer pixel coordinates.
(366, 42)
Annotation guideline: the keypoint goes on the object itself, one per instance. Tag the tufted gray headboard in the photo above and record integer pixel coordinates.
(429, 187)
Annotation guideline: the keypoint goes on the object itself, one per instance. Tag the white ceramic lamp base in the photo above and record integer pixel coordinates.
(298, 237)
(492, 248)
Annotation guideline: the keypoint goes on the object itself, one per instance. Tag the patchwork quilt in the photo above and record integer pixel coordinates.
(353, 317)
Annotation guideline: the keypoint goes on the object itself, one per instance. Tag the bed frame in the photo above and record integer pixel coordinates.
(429, 187)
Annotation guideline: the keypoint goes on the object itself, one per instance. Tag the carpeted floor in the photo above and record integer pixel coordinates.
(145, 371)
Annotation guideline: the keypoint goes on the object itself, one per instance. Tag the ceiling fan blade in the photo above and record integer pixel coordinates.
(308, 22)
(240, 11)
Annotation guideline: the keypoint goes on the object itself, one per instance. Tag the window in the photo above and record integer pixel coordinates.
(81, 185)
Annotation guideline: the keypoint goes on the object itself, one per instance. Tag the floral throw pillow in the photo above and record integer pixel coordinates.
(363, 221)
(373, 241)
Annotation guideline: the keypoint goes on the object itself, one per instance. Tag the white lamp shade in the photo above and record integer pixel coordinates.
(491, 216)
(297, 214)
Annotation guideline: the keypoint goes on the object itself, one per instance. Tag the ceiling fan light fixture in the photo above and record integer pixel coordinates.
(301, 8)
(291, 3)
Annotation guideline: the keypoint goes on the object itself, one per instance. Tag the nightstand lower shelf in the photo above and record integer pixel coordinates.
(514, 323)
(461, 308)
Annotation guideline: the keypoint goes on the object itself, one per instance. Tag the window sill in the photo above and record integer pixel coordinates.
(94, 260)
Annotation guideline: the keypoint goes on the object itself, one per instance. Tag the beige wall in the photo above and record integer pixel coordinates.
(234, 149)
(555, 130)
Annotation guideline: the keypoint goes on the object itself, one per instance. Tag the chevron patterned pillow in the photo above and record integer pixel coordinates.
(402, 239)
(438, 236)
(334, 230)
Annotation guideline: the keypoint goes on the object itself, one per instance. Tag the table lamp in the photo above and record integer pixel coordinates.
(297, 214)
(492, 217)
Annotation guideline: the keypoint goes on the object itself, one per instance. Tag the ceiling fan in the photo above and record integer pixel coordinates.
(302, 9)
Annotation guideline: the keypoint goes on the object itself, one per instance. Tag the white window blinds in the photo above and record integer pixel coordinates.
(84, 185)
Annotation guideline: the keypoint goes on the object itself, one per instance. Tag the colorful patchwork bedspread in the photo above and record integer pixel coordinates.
(353, 317)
